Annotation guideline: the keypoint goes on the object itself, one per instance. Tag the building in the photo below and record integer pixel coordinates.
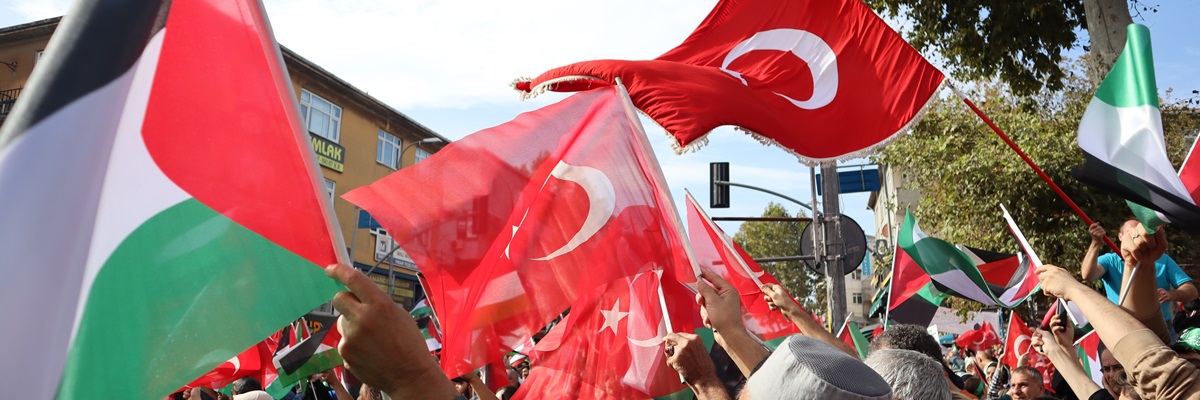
(859, 291)
(356, 138)
(890, 203)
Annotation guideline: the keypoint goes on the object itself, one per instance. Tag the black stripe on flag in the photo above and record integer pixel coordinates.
(1102, 175)
(98, 41)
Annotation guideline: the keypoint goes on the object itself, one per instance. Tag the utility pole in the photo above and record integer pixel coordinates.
(834, 254)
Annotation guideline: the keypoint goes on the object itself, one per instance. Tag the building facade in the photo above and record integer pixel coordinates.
(356, 138)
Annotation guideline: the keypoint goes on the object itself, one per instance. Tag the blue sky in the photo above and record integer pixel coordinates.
(448, 64)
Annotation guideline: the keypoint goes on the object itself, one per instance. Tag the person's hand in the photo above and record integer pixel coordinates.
(1056, 281)
(1141, 248)
(720, 306)
(778, 299)
(380, 342)
(1164, 296)
(1063, 332)
(687, 356)
(1097, 232)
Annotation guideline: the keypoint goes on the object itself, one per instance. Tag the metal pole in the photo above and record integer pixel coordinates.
(818, 248)
(835, 249)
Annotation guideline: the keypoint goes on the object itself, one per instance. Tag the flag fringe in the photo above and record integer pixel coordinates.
(547, 85)
(702, 141)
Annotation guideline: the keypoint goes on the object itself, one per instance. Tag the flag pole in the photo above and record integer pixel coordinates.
(887, 313)
(1031, 164)
(664, 190)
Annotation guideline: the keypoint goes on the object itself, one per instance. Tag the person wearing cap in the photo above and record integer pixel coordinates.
(801, 368)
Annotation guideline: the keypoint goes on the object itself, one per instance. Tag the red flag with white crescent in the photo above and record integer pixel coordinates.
(822, 79)
(514, 223)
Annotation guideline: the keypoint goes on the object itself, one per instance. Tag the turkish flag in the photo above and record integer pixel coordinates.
(716, 252)
(1018, 342)
(824, 79)
(510, 225)
(978, 339)
(254, 362)
(611, 344)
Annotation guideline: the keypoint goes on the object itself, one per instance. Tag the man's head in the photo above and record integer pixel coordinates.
(1112, 371)
(245, 385)
(1025, 384)
(804, 368)
(910, 374)
(1126, 229)
(908, 337)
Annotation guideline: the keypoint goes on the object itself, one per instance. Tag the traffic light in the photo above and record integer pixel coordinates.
(719, 192)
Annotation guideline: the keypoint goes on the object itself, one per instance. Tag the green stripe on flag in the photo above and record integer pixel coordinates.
(1131, 82)
(184, 292)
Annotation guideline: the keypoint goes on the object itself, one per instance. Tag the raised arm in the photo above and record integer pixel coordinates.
(1060, 349)
(1140, 252)
(778, 299)
(722, 312)
(1091, 269)
(381, 344)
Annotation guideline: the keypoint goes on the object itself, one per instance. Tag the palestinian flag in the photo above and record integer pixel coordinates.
(1124, 152)
(162, 209)
(1088, 348)
(316, 353)
(879, 300)
(912, 297)
(960, 271)
(423, 314)
(854, 337)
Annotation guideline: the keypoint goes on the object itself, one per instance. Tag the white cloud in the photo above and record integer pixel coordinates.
(463, 53)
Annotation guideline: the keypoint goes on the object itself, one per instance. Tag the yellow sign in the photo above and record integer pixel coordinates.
(329, 154)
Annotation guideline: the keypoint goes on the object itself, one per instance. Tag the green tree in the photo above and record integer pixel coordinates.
(780, 239)
(964, 171)
(1021, 41)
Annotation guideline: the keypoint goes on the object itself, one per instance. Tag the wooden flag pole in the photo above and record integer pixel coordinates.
(1025, 157)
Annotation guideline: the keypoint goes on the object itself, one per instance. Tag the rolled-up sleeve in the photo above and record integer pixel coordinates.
(1154, 369)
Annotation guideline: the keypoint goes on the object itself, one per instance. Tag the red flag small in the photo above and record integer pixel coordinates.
(716, 252)
(1018, 343)
(978, 339)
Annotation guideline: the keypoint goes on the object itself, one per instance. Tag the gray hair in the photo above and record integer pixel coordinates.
(912, 375)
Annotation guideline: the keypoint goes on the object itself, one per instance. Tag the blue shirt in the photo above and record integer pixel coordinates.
(1167, 276)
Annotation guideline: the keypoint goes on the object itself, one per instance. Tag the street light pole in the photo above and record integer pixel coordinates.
(400, 164)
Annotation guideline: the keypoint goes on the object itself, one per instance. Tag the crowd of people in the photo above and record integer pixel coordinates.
(1148, 351)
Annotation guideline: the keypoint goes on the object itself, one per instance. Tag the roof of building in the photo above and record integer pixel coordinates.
(47, 27)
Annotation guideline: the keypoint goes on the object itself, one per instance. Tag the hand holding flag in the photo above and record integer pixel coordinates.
(381, 345)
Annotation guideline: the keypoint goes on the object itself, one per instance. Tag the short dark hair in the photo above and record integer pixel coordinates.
(908, 337)
(1029, 371)
(245, 385)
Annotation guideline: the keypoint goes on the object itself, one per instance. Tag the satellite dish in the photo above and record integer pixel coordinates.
(853, 238)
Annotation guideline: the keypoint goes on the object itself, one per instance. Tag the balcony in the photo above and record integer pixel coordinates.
(7, 99)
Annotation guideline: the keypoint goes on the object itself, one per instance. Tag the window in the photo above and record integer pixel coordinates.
(323, 118)
(421, 155)
(858, 298)
(857, 275)
(387, 150)
(329, 187)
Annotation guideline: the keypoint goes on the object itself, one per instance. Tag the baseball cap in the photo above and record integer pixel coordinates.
(806, 368)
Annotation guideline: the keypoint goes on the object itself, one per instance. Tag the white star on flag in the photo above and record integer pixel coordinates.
(612, 317)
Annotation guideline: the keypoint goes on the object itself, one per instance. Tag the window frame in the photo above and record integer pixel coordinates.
(420, 155)
(331, 189)
(385, 140)
(306, 108)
